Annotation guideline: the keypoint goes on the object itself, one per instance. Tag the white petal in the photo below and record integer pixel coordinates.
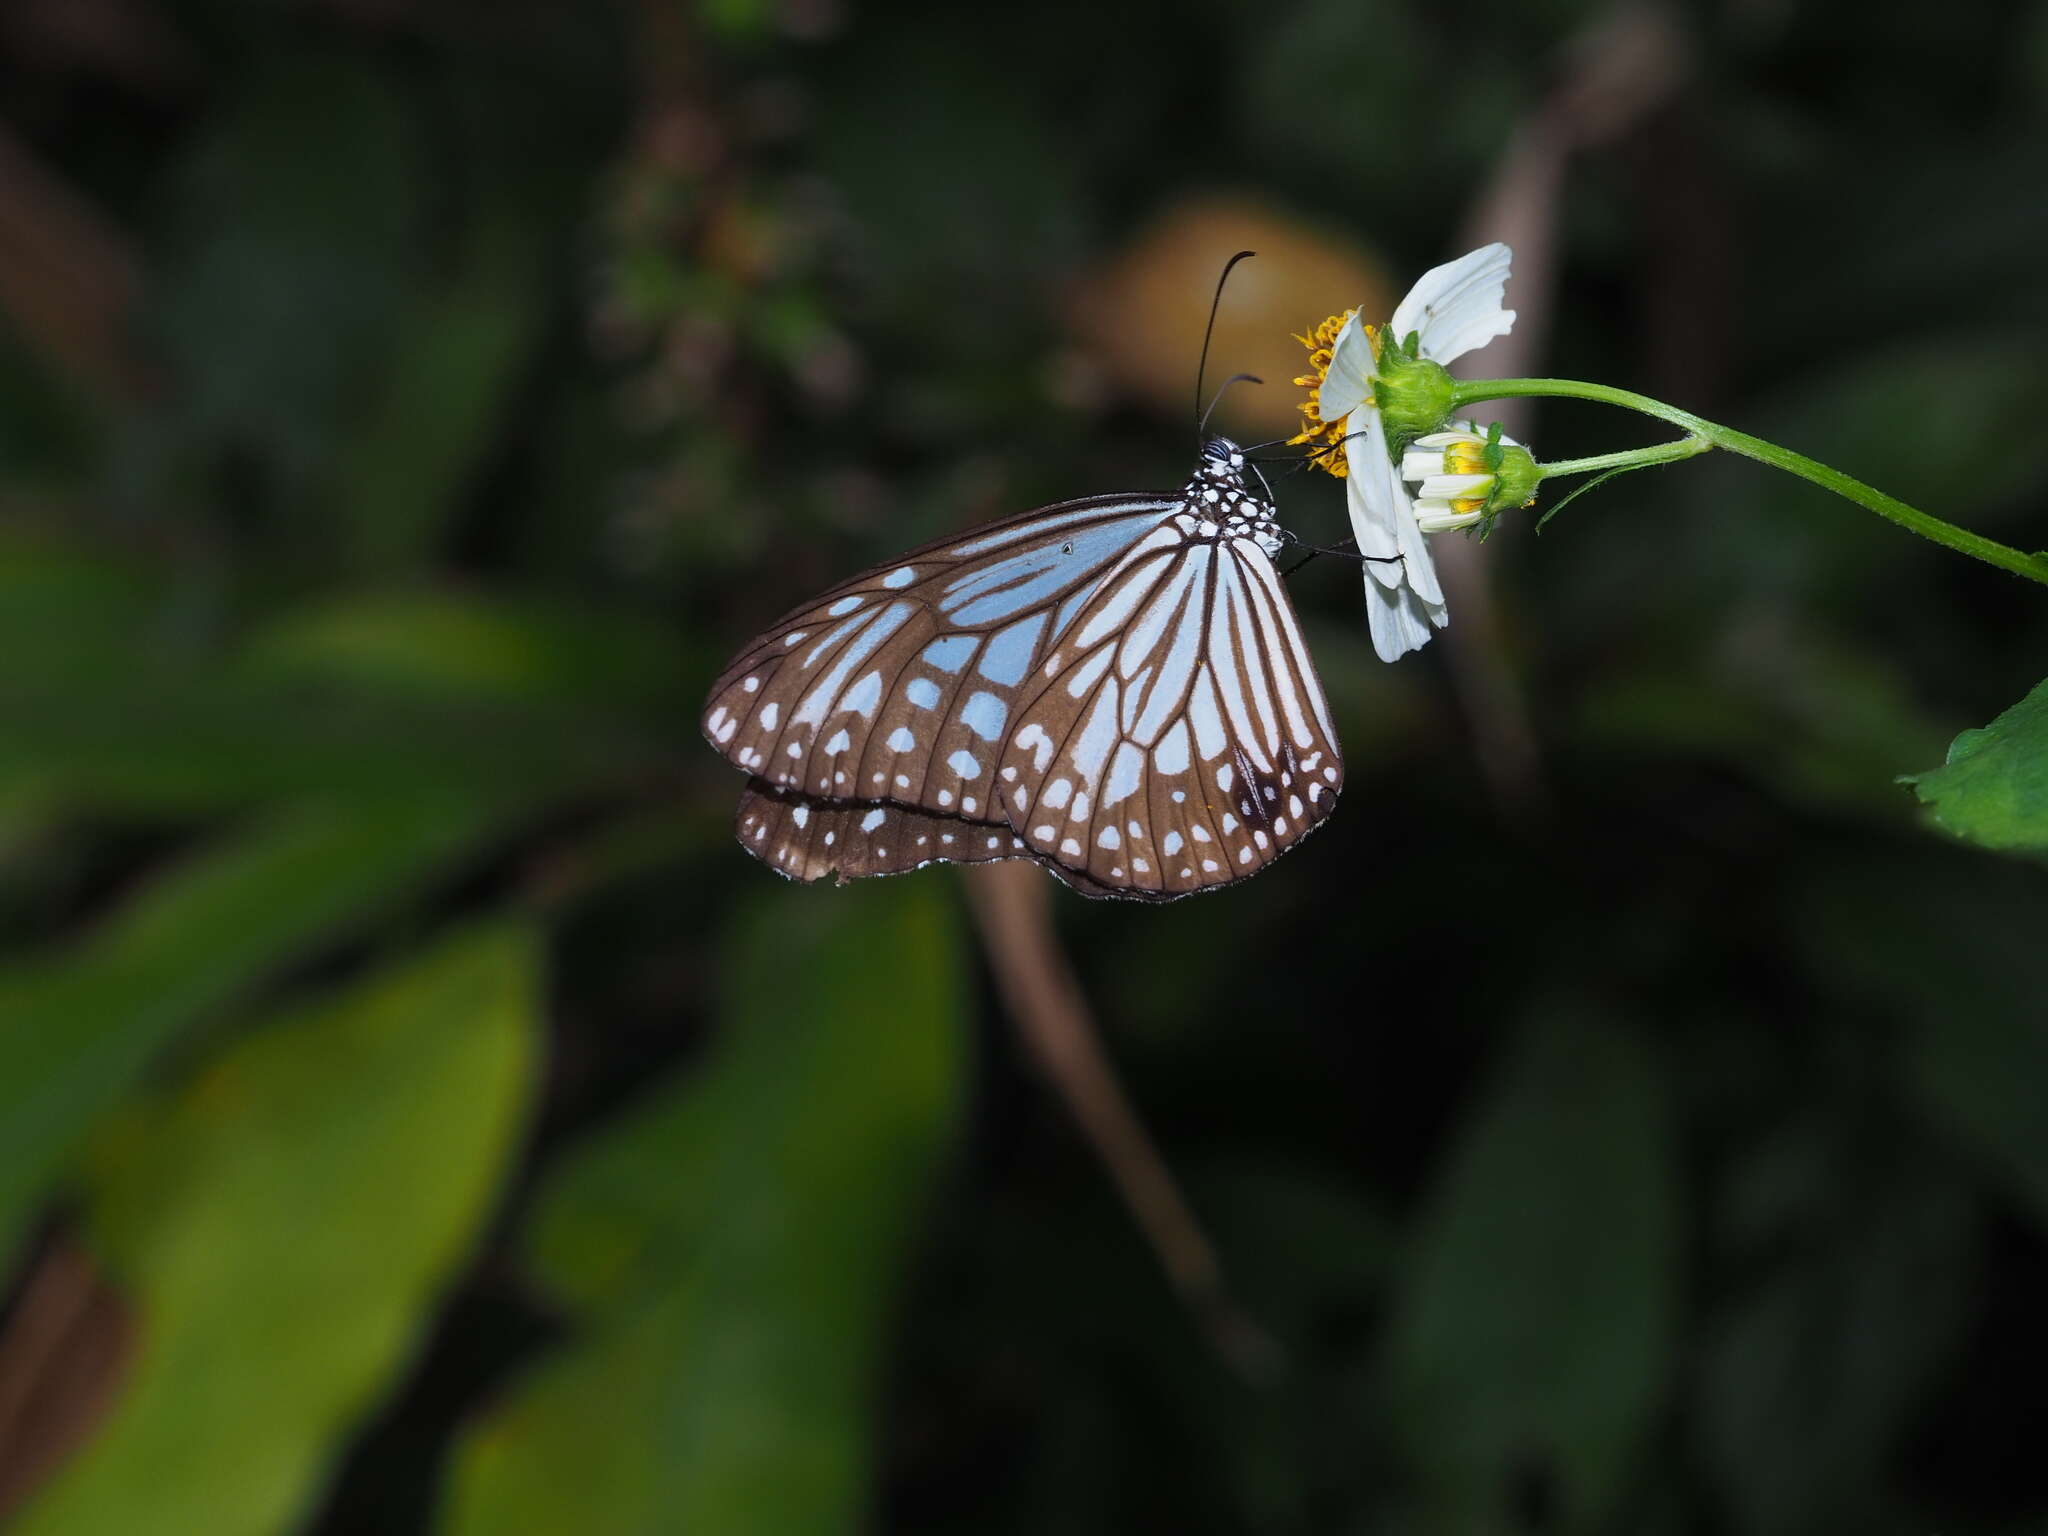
(1453, 487)
(1401, 622)
(1419, 463)
(1349, 383)
(1457, 306)
(1439, 517)
(1383, 515)
(1445, 439)
(1374, 495)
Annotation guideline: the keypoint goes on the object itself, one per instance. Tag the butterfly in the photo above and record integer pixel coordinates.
(1115, 688)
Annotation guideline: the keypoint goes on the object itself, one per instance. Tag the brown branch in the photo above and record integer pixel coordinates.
(1621, 70)
(64, 1354)
(1013, 913)
(68, 279)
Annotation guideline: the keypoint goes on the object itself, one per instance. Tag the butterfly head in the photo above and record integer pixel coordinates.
(1222, 463)
(1219, 505)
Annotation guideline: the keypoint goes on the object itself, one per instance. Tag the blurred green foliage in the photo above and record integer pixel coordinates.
(406, 407)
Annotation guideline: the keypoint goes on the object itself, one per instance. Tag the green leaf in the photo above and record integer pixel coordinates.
(77, 1030)
(730, 1251)
(1535, 1318)
(1993, 790)
(282, 1223)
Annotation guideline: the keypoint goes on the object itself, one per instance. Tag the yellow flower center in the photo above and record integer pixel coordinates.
(1328, 435)
(1465, 459)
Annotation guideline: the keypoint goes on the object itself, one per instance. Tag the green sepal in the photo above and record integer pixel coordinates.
(1414, 395)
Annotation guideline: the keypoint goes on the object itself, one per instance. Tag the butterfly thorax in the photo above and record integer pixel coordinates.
(1216, 504)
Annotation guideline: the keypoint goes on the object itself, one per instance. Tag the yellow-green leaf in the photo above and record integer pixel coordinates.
(281, 1224)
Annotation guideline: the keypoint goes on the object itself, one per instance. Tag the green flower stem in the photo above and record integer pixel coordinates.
(1961, 540)
(1634, 458)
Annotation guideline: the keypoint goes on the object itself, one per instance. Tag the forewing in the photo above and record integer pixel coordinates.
(1177, 738)
(902, 683)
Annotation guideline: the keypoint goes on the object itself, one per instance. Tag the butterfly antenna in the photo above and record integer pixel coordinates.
(1202, 426)
(1209, 330)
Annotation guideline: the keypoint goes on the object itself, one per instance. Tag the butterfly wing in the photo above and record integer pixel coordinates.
(1177, 738)
(899, 685)
(808, 837)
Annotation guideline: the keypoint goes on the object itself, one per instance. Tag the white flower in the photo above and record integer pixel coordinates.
(1451, 309)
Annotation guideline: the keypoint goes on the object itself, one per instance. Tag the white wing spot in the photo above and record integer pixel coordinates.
(1043, 834)
(1056, 793)
(839, 743)
(873, 819)
(903, 781)
(902, 576)
(795, 749)
(1201, 834)
(845, 605)
(1244, 855)
(922, 692)
(1141, 866)
(945, 797)
(831, 838)
(1229, 823)
(799, 636)
(751, 684)
(863, 696)
(1080, 810)
(1294, 806)
(770, 713)
(1108, 838)
(962, 762)
(1033, 739)
(1209, 865)
(1225, 777)
(1172, 844)
(967, 804)
(1070, 848)
(801, 815)
(900, 740)
(1009, 772)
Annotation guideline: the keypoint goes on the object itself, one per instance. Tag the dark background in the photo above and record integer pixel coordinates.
(416, 1114)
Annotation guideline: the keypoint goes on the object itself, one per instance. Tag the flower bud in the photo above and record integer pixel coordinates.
(1464, 477)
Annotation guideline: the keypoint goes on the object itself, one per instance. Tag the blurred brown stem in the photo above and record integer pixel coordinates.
(63, 1356)
(1011, 908)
